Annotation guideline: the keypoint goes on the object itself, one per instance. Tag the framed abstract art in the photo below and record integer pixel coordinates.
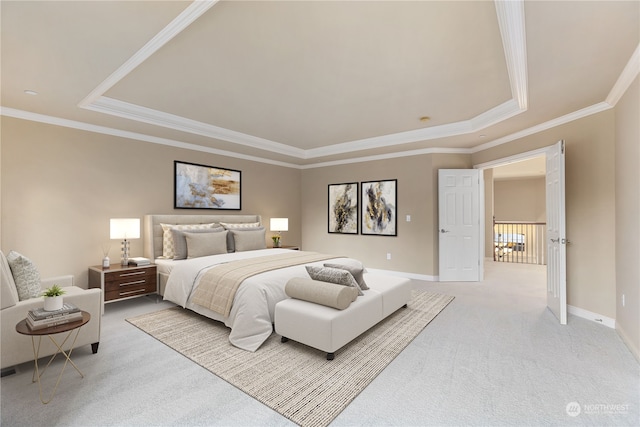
(379, 207)
(343, 208)
(206, 187)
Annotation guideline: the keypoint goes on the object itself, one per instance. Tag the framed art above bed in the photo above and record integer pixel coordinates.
(206, 187)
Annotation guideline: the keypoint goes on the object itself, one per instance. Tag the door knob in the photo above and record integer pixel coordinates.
(442, 230)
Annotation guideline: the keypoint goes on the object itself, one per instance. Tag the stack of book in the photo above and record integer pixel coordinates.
(139, 261)
(38, 318)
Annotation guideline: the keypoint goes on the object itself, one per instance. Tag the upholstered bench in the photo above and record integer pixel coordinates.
(328, 329)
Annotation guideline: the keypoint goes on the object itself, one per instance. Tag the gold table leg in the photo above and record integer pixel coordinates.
(36, 350)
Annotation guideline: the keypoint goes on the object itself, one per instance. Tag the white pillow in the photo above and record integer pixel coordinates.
(26, 276)
(168, 250)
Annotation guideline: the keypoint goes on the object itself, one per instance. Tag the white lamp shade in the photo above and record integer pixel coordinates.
(279, 224)
(125, 228)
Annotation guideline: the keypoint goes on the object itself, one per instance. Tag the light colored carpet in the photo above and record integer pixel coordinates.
(294, 380)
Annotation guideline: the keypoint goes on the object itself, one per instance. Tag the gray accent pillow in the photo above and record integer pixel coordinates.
(249, 240)
(356, 272)
(180, 242)
(231, 243)
(333, 275)
(26, 276)
(205, 244)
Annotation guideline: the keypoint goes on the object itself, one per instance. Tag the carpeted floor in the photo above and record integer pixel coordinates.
(292, 379)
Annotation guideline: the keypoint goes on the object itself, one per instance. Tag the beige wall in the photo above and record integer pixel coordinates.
(590, 205)
(627, 228)
(520, 200)
(60, 187)
(414, 250)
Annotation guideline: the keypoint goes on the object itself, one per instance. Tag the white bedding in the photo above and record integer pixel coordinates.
(251, 317)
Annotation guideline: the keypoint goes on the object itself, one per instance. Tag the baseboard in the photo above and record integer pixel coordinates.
(627, 341)
(589, 315)
(405, 275)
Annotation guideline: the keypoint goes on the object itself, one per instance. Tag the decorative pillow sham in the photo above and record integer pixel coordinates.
(249, 240)
(205, 244)
(234, 226)
(333, 275)
(25, 275)
(167, 239)
(356, 272)
(180, 242)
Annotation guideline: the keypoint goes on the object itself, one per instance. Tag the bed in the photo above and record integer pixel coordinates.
(251, 312)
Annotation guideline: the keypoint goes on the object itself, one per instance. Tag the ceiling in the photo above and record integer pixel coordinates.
(313, 83)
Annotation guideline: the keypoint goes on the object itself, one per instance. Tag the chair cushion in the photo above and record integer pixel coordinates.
(9, 293)
(25, 275)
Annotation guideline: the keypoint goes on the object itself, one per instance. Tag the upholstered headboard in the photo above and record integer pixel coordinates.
(153, 230)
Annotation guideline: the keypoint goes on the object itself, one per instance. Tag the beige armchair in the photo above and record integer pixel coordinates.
(16, 348)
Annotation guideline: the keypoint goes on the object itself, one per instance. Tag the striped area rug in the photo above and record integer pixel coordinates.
(295, 380)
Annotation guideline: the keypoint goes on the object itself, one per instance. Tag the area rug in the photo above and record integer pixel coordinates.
(295, 380)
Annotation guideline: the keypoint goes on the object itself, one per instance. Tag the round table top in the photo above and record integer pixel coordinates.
(23, 329)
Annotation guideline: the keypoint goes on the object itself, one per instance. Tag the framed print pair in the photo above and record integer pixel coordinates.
(374, 206)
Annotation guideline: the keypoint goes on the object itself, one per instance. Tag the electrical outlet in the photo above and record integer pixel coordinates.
(388, 255)
(623, 300)
(408, 218)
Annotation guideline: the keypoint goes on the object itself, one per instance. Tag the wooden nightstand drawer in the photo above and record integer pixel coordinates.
(128, 283)
(123, 282)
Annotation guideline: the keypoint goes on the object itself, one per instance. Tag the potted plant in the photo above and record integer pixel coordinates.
(276, 241)
(53, 298)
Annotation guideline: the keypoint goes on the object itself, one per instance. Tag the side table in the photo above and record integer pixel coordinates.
(23, 329)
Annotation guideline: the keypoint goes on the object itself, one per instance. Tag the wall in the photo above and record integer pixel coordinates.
(627, 225)
(520, 200)
(415, 249)
(60, 186)
(590, 205)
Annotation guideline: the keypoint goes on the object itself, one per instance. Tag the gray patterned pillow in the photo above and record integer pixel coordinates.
(26, 276)
(333, 275)
(356, 272)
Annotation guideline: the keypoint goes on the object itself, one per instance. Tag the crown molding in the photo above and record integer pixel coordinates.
(593, 109)
(171, 121)
(511, 22)
(195, 10)
(512, 30)
(627, 77)
(57, 121)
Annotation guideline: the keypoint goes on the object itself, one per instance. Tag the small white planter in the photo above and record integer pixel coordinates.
(53, 303)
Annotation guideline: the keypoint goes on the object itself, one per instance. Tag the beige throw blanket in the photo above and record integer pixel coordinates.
(218, 285)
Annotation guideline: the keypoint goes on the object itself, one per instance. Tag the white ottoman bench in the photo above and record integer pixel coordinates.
(328, 329)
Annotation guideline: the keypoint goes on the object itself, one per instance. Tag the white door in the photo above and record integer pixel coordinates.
(459, 225)
(556, 233)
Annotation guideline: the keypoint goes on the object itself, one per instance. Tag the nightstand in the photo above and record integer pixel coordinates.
(293, 248)
(120, 282)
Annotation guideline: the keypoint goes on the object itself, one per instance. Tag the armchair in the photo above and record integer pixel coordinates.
(16, 348)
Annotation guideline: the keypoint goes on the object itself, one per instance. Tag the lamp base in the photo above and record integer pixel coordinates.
(125, 253)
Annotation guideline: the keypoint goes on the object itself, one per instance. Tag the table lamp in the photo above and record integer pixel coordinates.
(278, 225)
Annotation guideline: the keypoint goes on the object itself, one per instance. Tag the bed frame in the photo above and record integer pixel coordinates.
(153, 233)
